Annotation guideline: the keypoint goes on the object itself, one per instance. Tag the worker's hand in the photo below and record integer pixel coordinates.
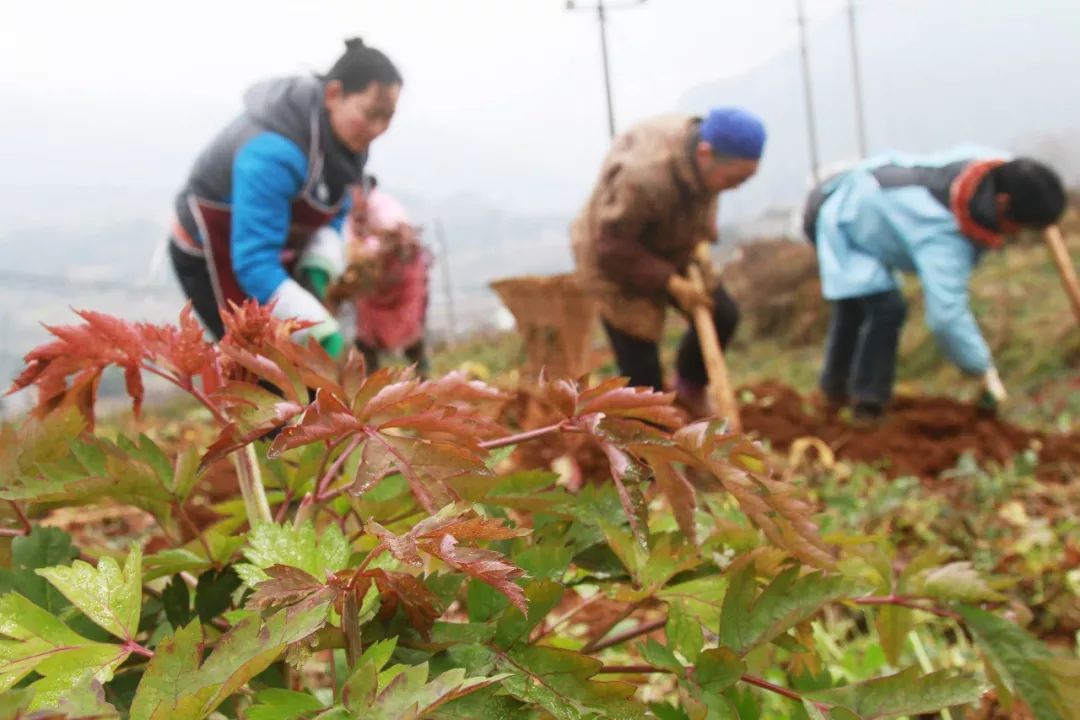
(703, 259)
(686, 295)
(993, 394)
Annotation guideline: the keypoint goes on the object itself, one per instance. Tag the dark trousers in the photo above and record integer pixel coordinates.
(415, 354)
(194, 277)
(639, 359)
(861, 350)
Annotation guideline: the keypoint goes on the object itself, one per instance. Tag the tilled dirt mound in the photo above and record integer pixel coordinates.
(921, 436)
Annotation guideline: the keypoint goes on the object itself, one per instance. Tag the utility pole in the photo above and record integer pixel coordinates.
(601, 15)
(448, 283)
(811, 126)
(856, 74)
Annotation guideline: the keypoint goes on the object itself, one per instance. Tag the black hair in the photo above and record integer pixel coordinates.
(360, 65)
(1036, 193)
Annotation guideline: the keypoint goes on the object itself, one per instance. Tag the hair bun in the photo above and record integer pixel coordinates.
(354, 44)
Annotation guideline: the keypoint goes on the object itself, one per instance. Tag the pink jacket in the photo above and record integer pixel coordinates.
(392, 316)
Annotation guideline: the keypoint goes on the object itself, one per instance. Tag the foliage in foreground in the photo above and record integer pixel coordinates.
(372, 564)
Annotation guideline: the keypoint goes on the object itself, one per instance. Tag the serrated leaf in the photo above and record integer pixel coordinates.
(893, 625)
(718, 669)
(513, 626)
(1016, 656)
(44, 546)
(660, 656)
(280, 704)
(285, 586)
(111, 598)
(35, 641)
(316, 554)
(178, 683)
(561, 682)
(905, 693)
(683, 632)
(171, 562)
(398, 589)
(748, 621)
(485, 565)
(954, 581)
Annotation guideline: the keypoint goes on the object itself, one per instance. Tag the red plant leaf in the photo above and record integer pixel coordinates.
(402, 547)
(420, 605)
(470, 527)
(325, 419)
(485, 565)
(287, 585)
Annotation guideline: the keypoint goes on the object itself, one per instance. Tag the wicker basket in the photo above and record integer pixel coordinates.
(555, 319)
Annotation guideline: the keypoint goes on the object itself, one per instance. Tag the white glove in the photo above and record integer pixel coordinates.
(994, 386)
(293, 301)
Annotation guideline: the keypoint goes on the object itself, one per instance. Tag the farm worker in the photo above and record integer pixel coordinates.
(262, 211)
(652, 213)
(387, 274)
(931, 215)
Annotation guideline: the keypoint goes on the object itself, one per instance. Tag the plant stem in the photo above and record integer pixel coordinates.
(324, 482)
(523, 436)
(643, 629)
(135, 647)
(251, 488)
(597, 637)
(12, 532)
(306, 511)
(907, 602)
(375, 552)
(192, 390)
(748, 679)
(193, 528)
(22, 516)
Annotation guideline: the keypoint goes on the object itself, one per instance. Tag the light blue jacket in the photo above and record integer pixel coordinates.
(865, 234)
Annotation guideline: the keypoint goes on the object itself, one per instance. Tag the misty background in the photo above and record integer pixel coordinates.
(502, 124)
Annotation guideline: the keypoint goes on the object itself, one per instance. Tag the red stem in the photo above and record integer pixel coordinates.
(12, 532)
(375, 552)
(22, 516)
(522, 437)
(135, 647)
(908, 603)
(643, 629)
(321, 495)
(748, 679)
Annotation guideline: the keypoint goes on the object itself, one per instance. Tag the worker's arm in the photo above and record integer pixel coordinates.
(268, 172)
(944, 266)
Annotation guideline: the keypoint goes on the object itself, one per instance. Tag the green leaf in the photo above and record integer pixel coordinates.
(134, 473)
(213, 593)
(271, 544)
(487, 703)
(718, 669)
(278, 704)
(111, 598)
(954, 581)
(35, 641)
(812, 711)
(179, 684)
(683, 632)
(893, 625)
(747, 622)
(560, 681)
(906, 693)
(171, 562)
(661, 657)
(44, 546)
(542, 597)
(176, 599)
(1015, 656)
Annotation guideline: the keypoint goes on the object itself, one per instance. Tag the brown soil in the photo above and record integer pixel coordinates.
(921, 436)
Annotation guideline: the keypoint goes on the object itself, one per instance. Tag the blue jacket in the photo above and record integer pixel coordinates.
(258, 165)
(891, 214)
